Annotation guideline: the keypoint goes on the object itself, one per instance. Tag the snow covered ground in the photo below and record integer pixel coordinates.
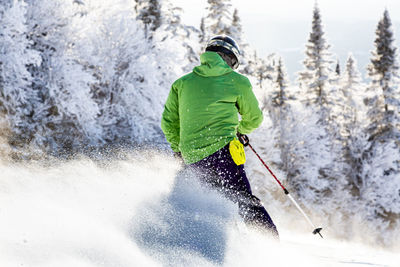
(143, 211)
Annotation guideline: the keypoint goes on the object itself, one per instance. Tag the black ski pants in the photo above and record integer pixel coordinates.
(221, 172)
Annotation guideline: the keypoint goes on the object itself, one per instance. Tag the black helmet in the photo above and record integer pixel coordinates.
(228, 47)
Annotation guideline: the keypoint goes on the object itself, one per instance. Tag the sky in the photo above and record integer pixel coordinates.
(283, 26)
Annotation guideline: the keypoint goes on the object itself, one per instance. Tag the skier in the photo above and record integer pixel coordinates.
(200, 121)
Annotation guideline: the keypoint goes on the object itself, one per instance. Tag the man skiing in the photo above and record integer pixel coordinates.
(201, 123)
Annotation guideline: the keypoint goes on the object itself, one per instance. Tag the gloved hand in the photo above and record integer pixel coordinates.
(243, 139)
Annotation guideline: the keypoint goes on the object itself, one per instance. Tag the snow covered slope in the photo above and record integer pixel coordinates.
(143, 211)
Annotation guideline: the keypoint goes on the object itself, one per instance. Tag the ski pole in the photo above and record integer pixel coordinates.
(316, 230)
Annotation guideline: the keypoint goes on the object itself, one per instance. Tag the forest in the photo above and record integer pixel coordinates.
(87, 77)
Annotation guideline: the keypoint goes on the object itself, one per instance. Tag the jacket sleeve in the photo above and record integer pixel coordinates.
(249, 110)
(170, 119)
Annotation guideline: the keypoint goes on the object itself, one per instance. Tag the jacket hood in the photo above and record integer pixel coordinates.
(212, 65)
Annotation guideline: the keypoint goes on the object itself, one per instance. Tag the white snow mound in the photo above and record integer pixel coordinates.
(144, 212)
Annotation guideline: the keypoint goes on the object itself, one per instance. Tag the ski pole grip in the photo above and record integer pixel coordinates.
(243, 139)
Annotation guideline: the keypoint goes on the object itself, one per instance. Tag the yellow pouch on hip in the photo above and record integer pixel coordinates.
(237, 152)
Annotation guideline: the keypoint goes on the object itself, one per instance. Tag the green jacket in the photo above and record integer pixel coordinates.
(201, 113)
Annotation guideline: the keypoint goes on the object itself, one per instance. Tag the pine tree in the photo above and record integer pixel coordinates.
(263, 72)
(248, 57)
(349, 136)
(384, 102)
(350, 88)
(353, 87)
(279, 95)
(202, 35)
(236, 28)
(337, 69)
(352, 76)
(261, 69)
(381, 184)
(314, 151)
(315, 78)
(336, 75)
(172, 32)
(280, 114)
(219, 18)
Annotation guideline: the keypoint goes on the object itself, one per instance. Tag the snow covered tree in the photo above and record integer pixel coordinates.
(314, 80)
(351, 75)
(337, 69)
(309, 156)
(354, 138)
(173, 30)
(380, 195)
(132, 77)
(346, 118)
(250, 63)
(280, 113)
(219, 18)
(263, 69)
(65, 115)
(279, 95)
(16, 96)
(114, 90)
(353, 87)
(382, 169)
(341, 105)
(350, 110)
(202, 34)
(236, 28)
(384, 92)
(336, 75)
(314, 167)
(149, 12)
(261, 72)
